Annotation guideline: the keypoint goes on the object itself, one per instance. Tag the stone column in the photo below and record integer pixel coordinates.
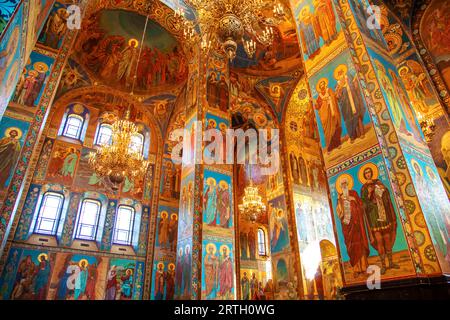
(379, 168)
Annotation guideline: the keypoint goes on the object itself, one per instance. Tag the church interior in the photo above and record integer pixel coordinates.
(354, 98)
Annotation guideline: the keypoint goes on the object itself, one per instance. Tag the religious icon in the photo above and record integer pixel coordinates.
(330, 116)
(350, 210)
(55, 29)
(9, 153)
(210, 202)
(160, 281)
(163, 230)
(350, 102)
(245, 287)
(223, 204)
(211, 265)
(226, 277)
(379, 214)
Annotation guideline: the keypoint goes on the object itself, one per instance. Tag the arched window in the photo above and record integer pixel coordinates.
(137, 143)
(123, 228)
(49, 213)
(104, 134)
(88, 220)
(262, 242)
(73, 126)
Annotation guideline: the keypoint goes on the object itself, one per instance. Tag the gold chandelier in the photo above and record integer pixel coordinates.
(427, 125)
(225, 23)
(252, 205)
(119, 160)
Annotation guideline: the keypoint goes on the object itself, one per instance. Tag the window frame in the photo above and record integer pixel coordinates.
(262, 244)
(99, 134)
(66, 126)
(80, 217)
(115, 241)
(141, 135)
(56, 220)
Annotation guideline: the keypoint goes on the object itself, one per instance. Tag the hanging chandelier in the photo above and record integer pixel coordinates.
(252, 205)
(119, 160)
(224, 24)
(427, 125)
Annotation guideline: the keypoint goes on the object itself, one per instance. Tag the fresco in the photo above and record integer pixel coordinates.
(367, 224)
(397, 100)
(63, 163)
(109, 48)
(343, 121)
(163, 281)
(217, 92)
(186, 211)
(55, 28)
(38, 13)
(434, 203)
(217, 200)
(319, 30)
(218, 271)
(278, 224)
(435, 34)
(254, 285)
(360, 10)
(33, 79)
(280, 57)
(183, 269)
(10, 55)
(12, 138)
(171, 180)
(7, 9)
(167, 228)
(73, 77)
(124, 280)
(26, 274)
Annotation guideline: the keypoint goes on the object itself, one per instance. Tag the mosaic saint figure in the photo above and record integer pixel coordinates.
(350, 102)
(55, 28)
(308, 32)
(24, 278)
(211, 265)
(163, 231)
(245, 286)
(225, 273)
(244, 244)
(294, 167)
(42, 277)
(170, 282)
(160, 282)
(350, 211)
(380, 216)
(329, 114)
(69, 164)
(253, 286)
(173, 231)
(252, 243)
(210, 202)
(326, 20)
(223, 204)
(111, 284)
(9, 153)
(187, 271)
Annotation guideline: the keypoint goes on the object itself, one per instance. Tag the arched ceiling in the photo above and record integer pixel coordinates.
(108, 50)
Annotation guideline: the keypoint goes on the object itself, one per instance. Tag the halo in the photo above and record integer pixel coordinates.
(279, 213)
(171, 265)
(133, 40)
(62, 10)
(187, 247)
(401, 69)
(305, 10)
(85, 261)
(342, 177)
(320, 81)
(210, 181)
(211, 245)
(174, 215)
(224, 246)
(130, 270)
(78, 108)
(340, 68)
(364, 167)
(164, 213)
(223, 184)
(222, 125)
(33, 73)
(430, 173)
(42, 255)
(213, 121)
(413, 162)
(160, 264)
(41, 67)
(19, 132)
(260, 119)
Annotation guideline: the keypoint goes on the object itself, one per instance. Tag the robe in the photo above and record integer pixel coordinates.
(330, 117)
(41, 280)
(9, 153)
(380, 214)
(163, 234)
(170, 285)
(159, 285)
(210, 205)
(355, 237)
(225, 276)
(223, 207)
(210, 264)
(111, 286)
(245, 285)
